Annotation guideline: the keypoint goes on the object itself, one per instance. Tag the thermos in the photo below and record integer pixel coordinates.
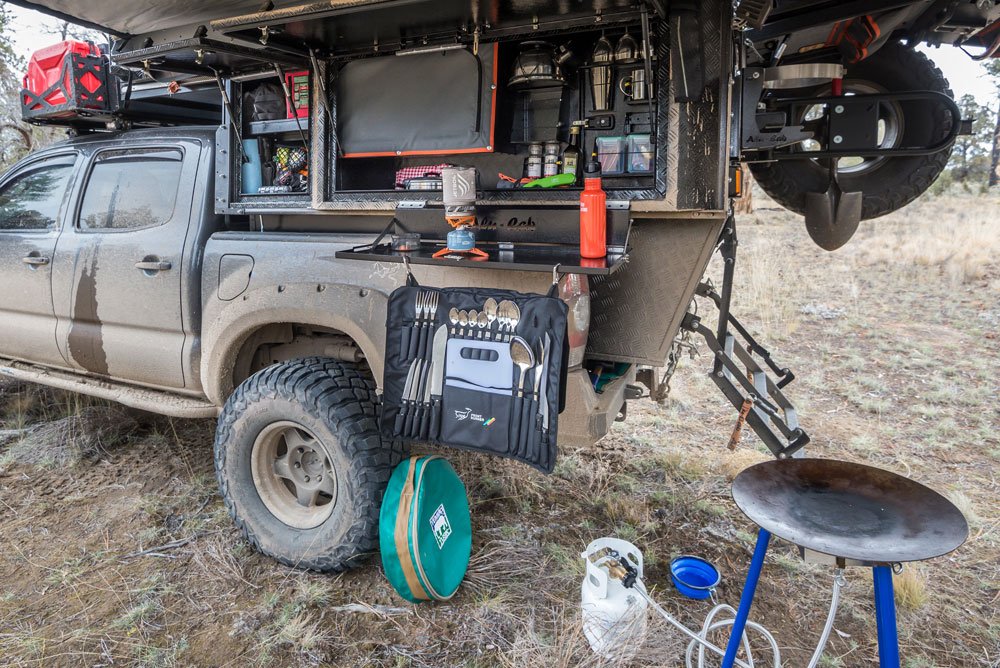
(593, 214)
(251, 169)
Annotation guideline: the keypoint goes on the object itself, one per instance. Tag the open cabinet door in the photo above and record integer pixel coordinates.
(423, 104)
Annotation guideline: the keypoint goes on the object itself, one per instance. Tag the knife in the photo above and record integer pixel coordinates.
(436, 386)
(433, 363)
(401, 415)
(412, 398)
(543, 392)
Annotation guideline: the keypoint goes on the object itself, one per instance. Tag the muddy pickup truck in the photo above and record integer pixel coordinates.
(125, 284)
(247, 183)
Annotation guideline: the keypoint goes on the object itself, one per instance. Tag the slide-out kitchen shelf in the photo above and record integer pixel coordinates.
(515, 257)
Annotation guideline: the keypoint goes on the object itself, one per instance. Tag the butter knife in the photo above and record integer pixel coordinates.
(436, 386)
(411, 410)
(404, 400)
(543, 388)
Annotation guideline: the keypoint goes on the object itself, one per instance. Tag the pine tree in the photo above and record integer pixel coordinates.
(993, 69)
(970, 162)
(15, 138)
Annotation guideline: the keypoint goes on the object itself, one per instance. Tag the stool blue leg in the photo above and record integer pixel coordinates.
(746, 598)
(885, 618)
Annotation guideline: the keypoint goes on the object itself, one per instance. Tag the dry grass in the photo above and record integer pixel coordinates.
(953, 237)
(75, 438)
(732, 463)
(966, 506)
(910, 589)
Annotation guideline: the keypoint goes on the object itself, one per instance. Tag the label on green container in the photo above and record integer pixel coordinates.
(440, 526)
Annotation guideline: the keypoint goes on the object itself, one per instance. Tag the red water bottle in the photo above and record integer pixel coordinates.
(593, 214)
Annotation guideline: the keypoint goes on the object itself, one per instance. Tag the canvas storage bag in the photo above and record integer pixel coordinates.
(425, 533)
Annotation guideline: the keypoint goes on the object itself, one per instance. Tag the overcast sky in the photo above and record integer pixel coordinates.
(965, 75)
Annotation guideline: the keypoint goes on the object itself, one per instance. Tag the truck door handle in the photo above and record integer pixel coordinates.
(35, 260)
(153, 266)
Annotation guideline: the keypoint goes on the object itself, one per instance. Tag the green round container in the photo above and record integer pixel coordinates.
(425, 532)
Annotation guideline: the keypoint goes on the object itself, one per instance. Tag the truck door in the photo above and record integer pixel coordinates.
(119, 266)
(32, 206)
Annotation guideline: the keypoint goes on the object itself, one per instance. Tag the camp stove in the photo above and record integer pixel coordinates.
(853, 514)
(459, 197)
(838, 513)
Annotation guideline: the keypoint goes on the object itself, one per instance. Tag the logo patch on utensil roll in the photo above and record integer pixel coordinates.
(467, 414)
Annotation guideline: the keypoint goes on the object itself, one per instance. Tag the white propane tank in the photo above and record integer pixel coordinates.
(614, 618)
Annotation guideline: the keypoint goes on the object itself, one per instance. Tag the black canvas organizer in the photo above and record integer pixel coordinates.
(468, 397)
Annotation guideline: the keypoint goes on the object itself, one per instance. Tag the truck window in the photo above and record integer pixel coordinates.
(131, 189)
(32, 199)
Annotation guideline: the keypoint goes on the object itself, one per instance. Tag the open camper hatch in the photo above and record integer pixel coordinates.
(351, 109)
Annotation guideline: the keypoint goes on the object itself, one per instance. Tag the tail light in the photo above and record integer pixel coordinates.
(575, 291)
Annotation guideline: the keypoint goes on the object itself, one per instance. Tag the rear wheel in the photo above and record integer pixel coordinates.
(301, 464)
(888, 183)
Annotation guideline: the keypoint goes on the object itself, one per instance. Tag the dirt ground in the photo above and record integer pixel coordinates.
(116, 551)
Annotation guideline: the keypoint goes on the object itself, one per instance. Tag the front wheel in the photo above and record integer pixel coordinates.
(887, 183)
(301, 465)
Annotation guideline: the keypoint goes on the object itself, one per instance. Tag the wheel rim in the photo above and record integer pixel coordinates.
(890, 127)
(293, 474)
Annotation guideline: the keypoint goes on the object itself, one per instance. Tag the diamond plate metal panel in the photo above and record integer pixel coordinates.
(698, 132)
(636, 313)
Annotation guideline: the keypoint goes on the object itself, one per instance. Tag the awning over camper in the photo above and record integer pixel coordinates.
(334, 17)
(135, 17)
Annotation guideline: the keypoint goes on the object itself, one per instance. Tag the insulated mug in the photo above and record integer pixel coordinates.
(634, 86)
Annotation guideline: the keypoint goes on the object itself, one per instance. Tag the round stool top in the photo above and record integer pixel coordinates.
(849, 510)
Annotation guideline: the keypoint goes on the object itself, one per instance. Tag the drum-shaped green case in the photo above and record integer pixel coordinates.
(425, 533)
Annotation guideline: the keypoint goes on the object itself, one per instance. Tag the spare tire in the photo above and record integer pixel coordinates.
(888, 183)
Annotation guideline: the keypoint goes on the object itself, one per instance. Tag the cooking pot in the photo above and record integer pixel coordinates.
(536, 67)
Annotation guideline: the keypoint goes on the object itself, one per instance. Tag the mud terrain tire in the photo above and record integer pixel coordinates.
(335, 407)
(892, 183)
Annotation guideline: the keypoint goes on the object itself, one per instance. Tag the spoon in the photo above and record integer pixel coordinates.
(506, 314)
(463, 320)
(524, 359)
(515, 317)
(484, 321)
(453, 316)
(490, 307)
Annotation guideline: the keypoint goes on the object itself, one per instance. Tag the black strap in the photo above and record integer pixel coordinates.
(411, 280)
(554, 288)
(384, 232)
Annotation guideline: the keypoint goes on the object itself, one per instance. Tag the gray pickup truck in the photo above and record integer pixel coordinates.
(250, 180)
(123, 283)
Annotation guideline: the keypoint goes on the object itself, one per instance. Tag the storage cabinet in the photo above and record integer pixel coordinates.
(394, 120)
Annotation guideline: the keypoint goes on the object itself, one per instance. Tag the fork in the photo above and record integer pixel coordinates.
(427, 315)
(411, 342)
(430, 315)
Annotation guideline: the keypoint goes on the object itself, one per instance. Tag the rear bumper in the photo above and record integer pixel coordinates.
(588, 415)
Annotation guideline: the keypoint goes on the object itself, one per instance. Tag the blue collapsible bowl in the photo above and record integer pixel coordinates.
(694, 577)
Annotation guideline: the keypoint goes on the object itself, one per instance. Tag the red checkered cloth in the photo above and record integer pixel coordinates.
(418, 172)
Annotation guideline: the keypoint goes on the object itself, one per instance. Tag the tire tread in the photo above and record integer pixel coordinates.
(344, 396)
